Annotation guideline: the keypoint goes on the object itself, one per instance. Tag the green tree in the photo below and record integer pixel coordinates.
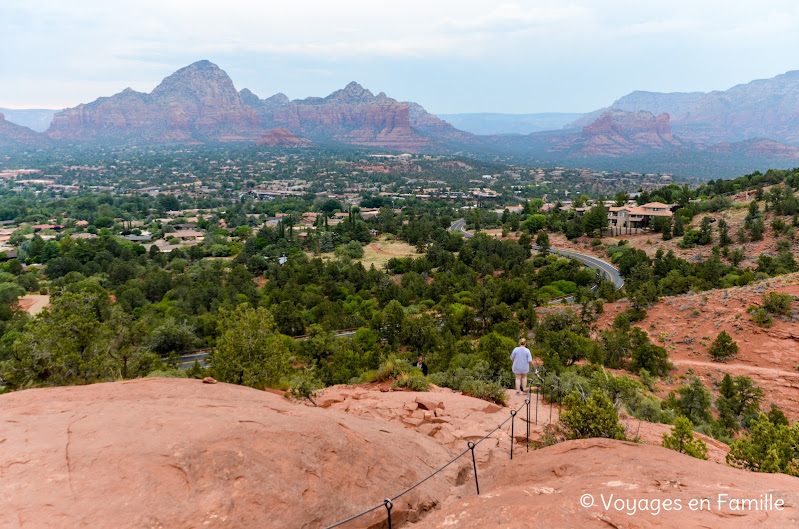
(694, 401)
(682, 439)
(542, 241)
(495, 350)
(771, 447)
(679, 227)
(723, 347)
(724, 234)
(64, 345)
(593, 417)
(249, 350)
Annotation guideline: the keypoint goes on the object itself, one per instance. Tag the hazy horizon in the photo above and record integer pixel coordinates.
(451, 57)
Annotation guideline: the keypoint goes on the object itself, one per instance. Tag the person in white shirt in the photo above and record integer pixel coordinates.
(522, 360)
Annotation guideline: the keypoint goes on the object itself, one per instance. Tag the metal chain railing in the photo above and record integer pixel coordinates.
(388, 503)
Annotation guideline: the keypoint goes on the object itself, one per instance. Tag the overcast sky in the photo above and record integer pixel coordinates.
(449, 55)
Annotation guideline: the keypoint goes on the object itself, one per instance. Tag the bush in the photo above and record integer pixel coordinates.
(393, 367)
(682, 440)
(593, 417)
(304, 386)
(723, 347)
(471, 382)
(168, 373)
(761, 316)
(414, 383)
(776, 303)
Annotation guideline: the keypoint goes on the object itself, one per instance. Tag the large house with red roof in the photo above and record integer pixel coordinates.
(637, 216)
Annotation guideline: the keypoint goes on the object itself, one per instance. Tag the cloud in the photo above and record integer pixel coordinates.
(514, 17)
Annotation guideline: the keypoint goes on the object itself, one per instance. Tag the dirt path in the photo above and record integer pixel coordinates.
(376, 247)
(738, 369)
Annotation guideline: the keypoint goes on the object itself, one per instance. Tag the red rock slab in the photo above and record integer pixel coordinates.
(544, 489)
(177, 453)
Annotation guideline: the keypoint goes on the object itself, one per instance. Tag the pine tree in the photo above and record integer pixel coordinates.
(724, 233)
(679, 228)
(723, 347)
(682, 439)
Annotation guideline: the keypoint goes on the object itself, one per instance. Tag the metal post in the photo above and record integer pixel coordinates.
(527, 403)
(537, 391)
(474, 463)
(512, 422)
(558, 395)
(388, 506)
(551, 394)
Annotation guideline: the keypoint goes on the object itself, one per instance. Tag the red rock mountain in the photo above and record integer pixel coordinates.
(350, 115)
(199, 103)
(13, 136)
(764, 108)
(619, 133)
(196, 103)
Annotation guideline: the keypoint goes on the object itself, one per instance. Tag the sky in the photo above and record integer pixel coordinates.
(451, 56)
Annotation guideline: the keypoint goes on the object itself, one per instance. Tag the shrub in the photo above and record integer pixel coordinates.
(776, 303)
(393, 367)
(593, 417)
(304, 386)
(168, 373)
(471, 382)
(412, 382)
(682, 439)
(761, 316)
(723, 347)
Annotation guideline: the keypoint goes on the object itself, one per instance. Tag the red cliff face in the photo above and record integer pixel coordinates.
(198, 102)
(620, 133)
(351, 115)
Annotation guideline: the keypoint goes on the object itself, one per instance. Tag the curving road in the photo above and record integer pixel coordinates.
(607, 269)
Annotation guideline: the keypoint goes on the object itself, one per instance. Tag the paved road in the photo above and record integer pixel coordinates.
(605, 267)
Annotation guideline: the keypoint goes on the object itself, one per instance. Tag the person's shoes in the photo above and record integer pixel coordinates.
(518, 393)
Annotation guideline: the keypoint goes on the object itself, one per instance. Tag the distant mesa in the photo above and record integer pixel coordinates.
(617, 133)
(764, 108)
(282, 137)
(13, 136)
(199, 103)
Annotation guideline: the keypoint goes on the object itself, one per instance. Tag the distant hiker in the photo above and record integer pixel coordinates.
(421, 365)
(522, 360)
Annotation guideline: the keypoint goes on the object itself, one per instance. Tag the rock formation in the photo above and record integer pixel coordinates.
(281, 137)
(619, 133)
(151, 453)
(196, 103)
(351, 115)
(13, 136)
(178, 453)
(547, 488)
(764, 108)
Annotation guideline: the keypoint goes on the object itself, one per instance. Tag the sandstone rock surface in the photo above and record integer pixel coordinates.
(543, 489)
(177, 453)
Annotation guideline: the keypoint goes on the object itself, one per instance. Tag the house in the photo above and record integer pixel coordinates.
(186, 235)
(637, 216)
